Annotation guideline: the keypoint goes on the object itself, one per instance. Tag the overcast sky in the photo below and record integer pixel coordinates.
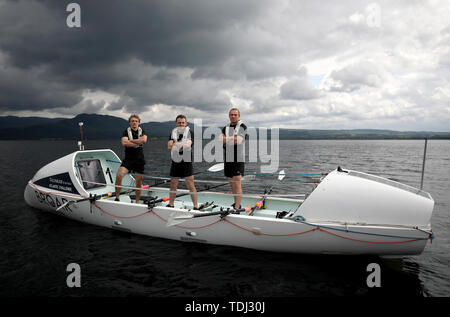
(298, 64)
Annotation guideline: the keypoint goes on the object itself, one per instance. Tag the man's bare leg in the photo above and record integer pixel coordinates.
(120, 174)
(138, 185)
(173, 188)
(236, 188)
(191, 186)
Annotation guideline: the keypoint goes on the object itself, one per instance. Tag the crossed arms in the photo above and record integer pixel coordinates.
(132, 143)
(172, 145)
(230, 140)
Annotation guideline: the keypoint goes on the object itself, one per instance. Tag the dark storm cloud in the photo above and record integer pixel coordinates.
(165, 34)
(175, 33)
(272, 58)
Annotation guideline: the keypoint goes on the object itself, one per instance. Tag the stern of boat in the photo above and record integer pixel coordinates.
(356, 197)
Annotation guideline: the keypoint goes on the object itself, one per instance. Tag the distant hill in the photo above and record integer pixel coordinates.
(12, 121)
(95, 126)
(110, 127)
(362, 134)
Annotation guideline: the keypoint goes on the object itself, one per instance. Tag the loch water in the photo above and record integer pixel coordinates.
(36, 247)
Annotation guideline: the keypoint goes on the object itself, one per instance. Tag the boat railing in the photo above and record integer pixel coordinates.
(391, 183)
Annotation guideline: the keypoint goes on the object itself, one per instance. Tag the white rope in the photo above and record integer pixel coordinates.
(243, 181)
(287, 195)
(148, 176)
(204, 181)
(202, 192)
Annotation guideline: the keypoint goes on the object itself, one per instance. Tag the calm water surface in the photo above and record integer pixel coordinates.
(37, 246)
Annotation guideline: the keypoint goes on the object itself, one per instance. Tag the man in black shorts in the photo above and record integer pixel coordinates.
(180, 144)
(233, 137)
(133, 139)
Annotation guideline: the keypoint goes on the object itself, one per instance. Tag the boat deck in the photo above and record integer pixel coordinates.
(215, 201)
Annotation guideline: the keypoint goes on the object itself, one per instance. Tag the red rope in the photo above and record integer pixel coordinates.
(182, 227)
(236, 225)
(121, 217)
(267, 234)
(376, 242)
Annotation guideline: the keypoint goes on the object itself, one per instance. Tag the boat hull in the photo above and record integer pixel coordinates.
(339, 217)
(254, 232)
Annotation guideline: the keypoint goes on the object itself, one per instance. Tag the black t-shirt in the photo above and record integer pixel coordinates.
(238, 150)
(189, 152)
(134, 153)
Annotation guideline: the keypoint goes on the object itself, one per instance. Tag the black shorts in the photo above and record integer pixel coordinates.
(134, 166)
(234, 169)
(181, 169)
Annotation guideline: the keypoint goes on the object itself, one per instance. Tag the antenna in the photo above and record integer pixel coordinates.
(80, 143)
(423, 164)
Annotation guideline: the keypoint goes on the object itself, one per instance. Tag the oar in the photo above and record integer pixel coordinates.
(164, 199)
(160, 183)
(95, 197)
(176, 218)
(71, 202)
(260, 203)
(215, 168)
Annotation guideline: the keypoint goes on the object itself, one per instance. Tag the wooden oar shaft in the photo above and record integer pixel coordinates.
(175, 218)
(95, 197)
(185, 194)
(210, 214)
(260, 203)
(195, 193)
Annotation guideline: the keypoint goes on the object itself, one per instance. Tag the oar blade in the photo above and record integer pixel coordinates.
(249, 177)
(63, 205)
(177, 217)
(217, 167)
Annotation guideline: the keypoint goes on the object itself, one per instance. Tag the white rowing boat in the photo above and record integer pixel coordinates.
(348, 212)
